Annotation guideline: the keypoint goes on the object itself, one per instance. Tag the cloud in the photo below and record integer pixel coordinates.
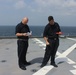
(20, 4)
(70, 3)
(65, 7)
(38, 10)
(56, 2)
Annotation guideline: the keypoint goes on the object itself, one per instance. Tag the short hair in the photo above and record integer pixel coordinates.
(50, 18)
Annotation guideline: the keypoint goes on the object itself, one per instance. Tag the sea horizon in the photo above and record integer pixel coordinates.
(36, 30)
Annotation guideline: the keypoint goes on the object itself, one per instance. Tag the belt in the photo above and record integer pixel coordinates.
(23, 39)
(53, 38)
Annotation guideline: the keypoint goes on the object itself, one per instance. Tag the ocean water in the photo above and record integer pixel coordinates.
(37, 30)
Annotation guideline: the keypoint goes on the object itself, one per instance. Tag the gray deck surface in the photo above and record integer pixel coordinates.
(35, 54)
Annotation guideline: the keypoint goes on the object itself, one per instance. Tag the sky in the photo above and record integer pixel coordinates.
(37, 11)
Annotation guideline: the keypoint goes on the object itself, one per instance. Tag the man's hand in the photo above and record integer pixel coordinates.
(29, 33)
(21, 34)
(24, 34)
(46, 40)
(47, 43)
(59, 33)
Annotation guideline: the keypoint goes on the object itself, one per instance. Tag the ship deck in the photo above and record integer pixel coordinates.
(65, 58)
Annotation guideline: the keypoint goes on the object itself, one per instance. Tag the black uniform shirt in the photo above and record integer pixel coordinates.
(21, 28)
(50, 30)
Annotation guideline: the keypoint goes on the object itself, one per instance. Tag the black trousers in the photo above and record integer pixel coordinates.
(50, 51)
(22, 50)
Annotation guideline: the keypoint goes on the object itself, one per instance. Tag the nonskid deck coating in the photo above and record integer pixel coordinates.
(35, 54)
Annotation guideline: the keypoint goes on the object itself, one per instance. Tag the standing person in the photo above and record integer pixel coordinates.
(51, 37)
(21, 32)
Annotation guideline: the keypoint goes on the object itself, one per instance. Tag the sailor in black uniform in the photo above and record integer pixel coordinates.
(21, 32)
(51, 37)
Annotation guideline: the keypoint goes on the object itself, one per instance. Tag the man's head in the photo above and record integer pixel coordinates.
(25, 20)
(51, 20)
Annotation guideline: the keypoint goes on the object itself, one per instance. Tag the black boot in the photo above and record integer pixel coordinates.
(23, 67)
(53, 64)
(42, 65)
(27, 63)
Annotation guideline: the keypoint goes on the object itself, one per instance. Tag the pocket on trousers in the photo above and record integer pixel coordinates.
(47, 47)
